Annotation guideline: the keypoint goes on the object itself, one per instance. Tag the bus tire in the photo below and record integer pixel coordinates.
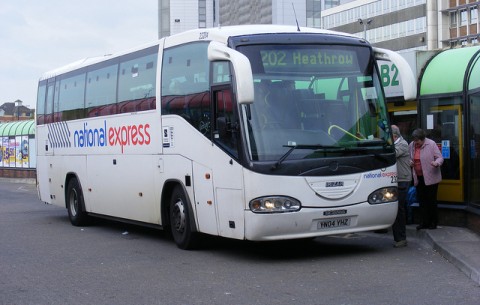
(180, 221)
(75, 204)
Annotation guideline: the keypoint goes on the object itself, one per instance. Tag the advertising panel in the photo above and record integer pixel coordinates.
(24, 152)
(11, 152)
(2, 151)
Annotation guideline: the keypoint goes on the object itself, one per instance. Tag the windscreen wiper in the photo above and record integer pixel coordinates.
(304, 146)
(330, 148)
(366, 149)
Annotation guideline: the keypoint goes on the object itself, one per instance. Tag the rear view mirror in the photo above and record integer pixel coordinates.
(241, 66)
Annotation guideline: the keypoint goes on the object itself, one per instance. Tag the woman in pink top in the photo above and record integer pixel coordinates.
(426, 160)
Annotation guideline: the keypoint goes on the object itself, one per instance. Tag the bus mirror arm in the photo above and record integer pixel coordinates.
(408, 78)
(241, 66)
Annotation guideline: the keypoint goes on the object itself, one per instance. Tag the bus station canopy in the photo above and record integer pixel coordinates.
(474, 82)
(17, 128)
(446, 72)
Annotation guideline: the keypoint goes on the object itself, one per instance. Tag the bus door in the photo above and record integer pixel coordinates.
(208, 181)
(444, 126)
(227, 172)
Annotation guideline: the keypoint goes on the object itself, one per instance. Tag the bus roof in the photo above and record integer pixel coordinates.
(91, 60)
(220, 34)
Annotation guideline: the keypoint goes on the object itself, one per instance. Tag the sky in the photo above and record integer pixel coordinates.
(39, 36)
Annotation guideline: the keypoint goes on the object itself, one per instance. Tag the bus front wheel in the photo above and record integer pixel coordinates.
(180, 219)
(75, 204)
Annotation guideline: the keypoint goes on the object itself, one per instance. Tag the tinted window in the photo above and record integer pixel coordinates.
(221, 72)
(185, 69)
(123, 84)
(40, 111)
(101, 91)
(49, 103)
(185, 84)
(72, 97)
(136, 83)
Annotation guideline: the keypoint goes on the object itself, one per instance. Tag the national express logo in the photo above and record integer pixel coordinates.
(99, 136)
(131, 135)
(381, 174)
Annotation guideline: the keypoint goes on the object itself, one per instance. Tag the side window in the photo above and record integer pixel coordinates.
(40, 112)
(185, 84)
(56, 113)
(101, 91)
(226, 125)
(136, 83)
(49, 102)
(72, 97)
(221, 72)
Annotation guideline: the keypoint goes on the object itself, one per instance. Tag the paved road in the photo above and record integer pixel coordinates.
(45, 260)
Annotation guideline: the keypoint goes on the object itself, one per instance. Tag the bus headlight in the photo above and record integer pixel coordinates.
(274, 204)
(386, 194)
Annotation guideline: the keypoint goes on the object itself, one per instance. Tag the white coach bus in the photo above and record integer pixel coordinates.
(249, 132)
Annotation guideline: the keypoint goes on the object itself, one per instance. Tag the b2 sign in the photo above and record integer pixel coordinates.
(390, 78)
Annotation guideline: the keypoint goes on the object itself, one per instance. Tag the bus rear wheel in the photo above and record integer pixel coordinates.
(75, 204)
(180, 221)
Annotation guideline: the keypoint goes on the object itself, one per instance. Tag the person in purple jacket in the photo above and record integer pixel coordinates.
(426, 159)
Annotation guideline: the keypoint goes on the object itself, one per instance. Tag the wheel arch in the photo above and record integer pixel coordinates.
(69, 178)
(167, 192)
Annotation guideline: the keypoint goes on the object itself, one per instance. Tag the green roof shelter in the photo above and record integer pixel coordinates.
(449, 111)
(17, 145)
(17, 128)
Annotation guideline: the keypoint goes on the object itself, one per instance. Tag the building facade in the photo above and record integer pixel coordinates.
(176, 16)
(399, 25)
(464, 26)
(246, 12)
(391, 24)
(15, 111)
(403, 25)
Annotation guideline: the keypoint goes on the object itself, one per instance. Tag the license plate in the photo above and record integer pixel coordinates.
(331, 223)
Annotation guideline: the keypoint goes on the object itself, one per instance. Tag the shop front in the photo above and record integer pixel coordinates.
(449, 111)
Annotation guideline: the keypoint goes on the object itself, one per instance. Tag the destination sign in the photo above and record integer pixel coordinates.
(308, 60)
